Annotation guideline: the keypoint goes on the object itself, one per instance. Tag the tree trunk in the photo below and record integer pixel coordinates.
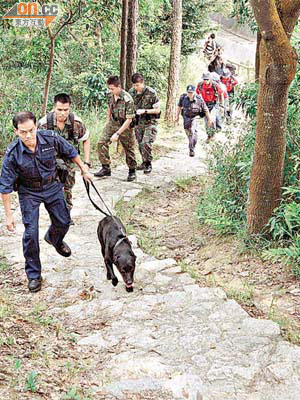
(257, 57)
(99, 40)
(124, 29)
(174, 65)
(132, 45)
(278, 61)
(49, 74)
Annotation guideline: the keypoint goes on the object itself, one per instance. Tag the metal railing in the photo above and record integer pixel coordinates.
(250, 70)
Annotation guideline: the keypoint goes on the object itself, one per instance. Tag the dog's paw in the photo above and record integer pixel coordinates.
(115, 281)
(129, 289)
(108, 276)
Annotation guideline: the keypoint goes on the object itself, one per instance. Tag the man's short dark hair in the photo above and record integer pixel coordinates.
(62, 98)
(114, 80)
(23, 116)
(213, 36)
(137, 78)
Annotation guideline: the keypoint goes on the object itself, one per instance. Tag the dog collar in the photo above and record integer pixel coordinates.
(120, 241)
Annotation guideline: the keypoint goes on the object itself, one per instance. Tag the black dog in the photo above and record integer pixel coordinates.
(116, 249)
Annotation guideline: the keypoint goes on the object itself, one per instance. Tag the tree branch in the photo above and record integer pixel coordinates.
(272, 30)
(289, 11)
(292, 7)
(66, 22)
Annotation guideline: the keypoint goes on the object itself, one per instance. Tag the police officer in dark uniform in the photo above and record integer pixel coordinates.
(192, 106)
(29, 166)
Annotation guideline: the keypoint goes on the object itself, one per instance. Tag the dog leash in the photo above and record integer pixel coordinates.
(87, 187)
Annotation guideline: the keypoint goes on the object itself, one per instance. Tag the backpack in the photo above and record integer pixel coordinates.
(70, 128)
(200, 86)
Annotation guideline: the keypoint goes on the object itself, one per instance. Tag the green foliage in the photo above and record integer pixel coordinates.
(81, 65)
(223, 205)
(288, 255)
(31, 382)
(247, 99)
(243, 13)
(195, 21)
(285, 222)
(153, 63)
(18, 364)
(72, 395)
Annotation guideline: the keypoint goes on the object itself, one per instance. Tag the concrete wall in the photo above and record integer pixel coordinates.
(231, 24)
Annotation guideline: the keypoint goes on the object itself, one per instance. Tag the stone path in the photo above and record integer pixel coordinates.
(169, 339)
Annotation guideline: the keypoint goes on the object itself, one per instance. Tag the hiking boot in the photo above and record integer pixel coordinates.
(141, 167)
(192, 153)
(131, 175)
(63, 249)
(148, 168)
(34, 285)
(104, 171)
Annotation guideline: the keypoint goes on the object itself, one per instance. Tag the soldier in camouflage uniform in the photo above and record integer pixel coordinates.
(147, 106)
(120, 114)
(71, 128)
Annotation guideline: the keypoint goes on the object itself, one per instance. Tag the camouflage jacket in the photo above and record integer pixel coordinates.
(80, 132)
(122, 108)
(147, 100)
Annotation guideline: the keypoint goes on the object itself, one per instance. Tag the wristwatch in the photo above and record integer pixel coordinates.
(87, 163)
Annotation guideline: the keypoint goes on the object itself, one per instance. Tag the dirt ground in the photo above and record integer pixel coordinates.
(167, 226)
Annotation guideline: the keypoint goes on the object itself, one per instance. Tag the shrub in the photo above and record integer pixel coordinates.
(224, 204)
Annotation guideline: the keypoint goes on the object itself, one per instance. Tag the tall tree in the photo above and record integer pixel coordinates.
(174, 66)
(276, 21)
(73, 15)
(132, 41)
(124, 29)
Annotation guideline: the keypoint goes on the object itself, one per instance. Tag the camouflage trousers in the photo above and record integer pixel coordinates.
(192, 134)
(145, 136)
(68, 185)
(126, 138)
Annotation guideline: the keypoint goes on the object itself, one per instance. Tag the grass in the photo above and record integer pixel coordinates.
(125, 211)
(290, 330)
(244, 296)
(4, 265)
(31, 382)
(184, 183)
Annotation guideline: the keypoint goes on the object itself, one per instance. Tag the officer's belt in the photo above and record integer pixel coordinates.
(211, 103)
(36, 183)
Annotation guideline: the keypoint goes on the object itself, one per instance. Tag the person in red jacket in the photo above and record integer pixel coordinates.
(230, 82)
(213, 96)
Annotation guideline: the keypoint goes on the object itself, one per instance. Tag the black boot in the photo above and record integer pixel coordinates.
(148, 168)
(131, 175)
(192, 153)
(62, 248)
(105, 171)
(34, 285)
(141, 167)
